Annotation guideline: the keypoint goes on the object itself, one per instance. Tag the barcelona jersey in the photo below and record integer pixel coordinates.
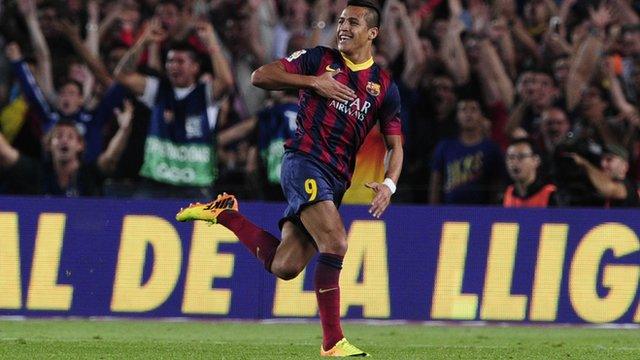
(332, 131)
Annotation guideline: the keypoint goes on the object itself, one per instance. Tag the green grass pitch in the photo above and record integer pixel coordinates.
(83, 339)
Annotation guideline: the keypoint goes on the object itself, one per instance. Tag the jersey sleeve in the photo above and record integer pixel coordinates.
(390, 122)
(303, 62)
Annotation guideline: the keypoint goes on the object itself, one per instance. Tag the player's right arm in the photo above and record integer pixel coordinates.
(274, 76)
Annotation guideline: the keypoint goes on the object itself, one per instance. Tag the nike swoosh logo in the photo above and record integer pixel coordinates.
(329, 68)
(322, 291)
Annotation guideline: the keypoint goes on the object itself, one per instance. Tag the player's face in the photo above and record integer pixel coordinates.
(182, 70)
(353, 32)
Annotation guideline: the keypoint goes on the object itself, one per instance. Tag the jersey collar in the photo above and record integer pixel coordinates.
(357, 67)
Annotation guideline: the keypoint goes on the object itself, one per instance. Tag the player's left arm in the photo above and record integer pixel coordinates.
(391, 128)
(385, 189)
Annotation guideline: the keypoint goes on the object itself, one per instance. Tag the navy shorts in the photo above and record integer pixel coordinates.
(306, 181)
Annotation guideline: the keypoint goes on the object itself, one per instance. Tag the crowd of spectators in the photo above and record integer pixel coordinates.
(514, 102)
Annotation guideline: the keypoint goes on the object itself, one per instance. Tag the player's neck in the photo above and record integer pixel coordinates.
(358, 58)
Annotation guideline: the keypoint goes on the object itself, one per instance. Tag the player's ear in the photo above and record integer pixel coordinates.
(373, 33)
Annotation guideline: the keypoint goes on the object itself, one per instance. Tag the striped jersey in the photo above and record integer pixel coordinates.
(332, 131)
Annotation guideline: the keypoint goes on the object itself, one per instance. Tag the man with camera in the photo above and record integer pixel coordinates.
(611, 180)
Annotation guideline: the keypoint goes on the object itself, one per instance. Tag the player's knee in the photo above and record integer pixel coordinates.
(334, 242)
(335, 247)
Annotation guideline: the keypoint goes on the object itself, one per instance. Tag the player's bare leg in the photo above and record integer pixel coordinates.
(285, 259)
(224, 211)
(324, 223)
(294, 252)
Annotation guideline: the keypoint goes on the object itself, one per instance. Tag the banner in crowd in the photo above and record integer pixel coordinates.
(99, 257)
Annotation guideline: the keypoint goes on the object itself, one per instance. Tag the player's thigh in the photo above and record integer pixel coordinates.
(294, 252)
(295, 242)
(324, 223)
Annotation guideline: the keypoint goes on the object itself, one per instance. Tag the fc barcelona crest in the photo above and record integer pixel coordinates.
(373, 88)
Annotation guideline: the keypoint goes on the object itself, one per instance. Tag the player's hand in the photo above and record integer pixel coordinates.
(329, 87)
(381, 200)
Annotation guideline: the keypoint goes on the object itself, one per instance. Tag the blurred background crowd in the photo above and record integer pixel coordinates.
(514, 102)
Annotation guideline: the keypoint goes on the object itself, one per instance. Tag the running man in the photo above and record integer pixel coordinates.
(343, 93)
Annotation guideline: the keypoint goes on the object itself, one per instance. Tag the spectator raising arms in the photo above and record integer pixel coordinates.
(64, 172)
(565, 74)
(610, 180)
(69, 105)
(179, 157)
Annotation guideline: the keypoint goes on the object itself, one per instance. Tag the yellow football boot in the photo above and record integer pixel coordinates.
(208, 212)
(343, 348)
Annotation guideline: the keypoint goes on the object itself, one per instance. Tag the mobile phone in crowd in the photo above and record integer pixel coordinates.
(554, 24)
